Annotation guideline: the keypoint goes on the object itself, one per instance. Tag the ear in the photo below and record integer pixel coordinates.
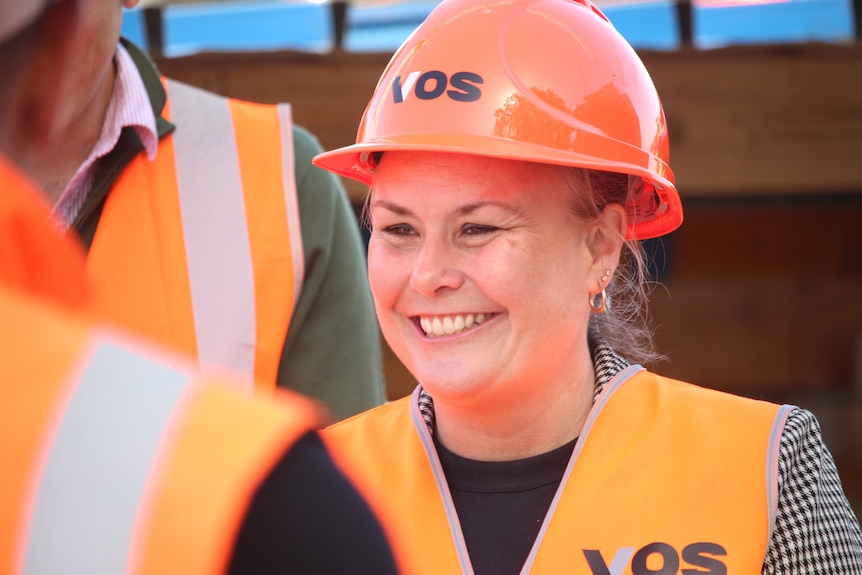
(606, 243)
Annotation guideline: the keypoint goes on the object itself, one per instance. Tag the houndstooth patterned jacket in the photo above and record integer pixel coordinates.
(816, 531)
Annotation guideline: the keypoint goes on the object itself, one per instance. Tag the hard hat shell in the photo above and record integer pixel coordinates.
(548, 81)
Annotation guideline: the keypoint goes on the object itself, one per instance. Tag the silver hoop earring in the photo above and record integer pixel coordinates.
(602, 301)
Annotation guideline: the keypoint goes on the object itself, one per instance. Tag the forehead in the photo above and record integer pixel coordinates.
(431, 175)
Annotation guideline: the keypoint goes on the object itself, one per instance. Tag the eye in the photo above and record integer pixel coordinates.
(399, 230)
(476, 229)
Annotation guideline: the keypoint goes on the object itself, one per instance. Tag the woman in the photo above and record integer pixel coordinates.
(517, 154)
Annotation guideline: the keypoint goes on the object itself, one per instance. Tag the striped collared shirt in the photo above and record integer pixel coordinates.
(129, 106)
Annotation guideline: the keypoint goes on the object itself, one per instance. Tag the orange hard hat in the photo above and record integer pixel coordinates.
(548, 81)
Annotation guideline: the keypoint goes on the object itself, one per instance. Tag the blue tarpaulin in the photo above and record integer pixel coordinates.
(264, 25)
(775, 22)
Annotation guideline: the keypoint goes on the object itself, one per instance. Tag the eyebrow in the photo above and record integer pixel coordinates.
(461, 210)
(391, 206)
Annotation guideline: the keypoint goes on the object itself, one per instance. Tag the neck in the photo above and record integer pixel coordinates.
(501, 430)
(52, 160)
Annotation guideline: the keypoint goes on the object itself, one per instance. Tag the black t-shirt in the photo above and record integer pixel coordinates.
(307, 519)
(501, 505)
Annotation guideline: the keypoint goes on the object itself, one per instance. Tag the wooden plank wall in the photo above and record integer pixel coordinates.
(760, 290)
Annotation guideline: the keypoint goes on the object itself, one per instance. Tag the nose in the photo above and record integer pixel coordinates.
(436, 267)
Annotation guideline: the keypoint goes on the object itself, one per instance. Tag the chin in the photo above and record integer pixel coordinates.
(451, 389)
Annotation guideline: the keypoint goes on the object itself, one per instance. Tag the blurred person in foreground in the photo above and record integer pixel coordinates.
(517, 155)
(117, 455)
(205, 224)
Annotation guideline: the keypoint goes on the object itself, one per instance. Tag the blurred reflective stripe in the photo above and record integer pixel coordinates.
(264, 144)
(212, 206)
(290, 201)
(98, 463)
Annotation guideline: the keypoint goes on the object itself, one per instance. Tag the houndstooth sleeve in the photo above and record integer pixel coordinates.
(815, 531)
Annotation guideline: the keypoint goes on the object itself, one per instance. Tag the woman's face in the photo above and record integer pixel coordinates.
(480, 273)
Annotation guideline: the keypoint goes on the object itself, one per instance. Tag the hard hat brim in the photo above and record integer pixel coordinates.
(356, 162)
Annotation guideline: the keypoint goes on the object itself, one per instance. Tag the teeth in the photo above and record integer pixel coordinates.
(449, 324)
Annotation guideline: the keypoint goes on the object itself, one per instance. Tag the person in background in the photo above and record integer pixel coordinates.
(517, 155)
(119, 455)
(206, 225)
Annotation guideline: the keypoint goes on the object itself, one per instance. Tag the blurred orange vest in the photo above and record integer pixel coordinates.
(201, 248)
(113, 459)
(33, 258)
(666, 478)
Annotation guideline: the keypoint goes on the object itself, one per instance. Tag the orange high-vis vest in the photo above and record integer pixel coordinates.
(201, 249)
(32, 257)
(116, 462)
(666, 478)
(113, 460)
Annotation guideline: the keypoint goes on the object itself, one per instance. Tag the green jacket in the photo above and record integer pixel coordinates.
(332, 349)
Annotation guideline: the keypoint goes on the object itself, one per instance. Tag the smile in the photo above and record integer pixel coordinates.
(438, 326)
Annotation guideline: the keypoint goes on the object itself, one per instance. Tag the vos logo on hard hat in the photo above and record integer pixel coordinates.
(461, 87)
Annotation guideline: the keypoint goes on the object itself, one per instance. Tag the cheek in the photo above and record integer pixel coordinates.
(385, 274)
(552, 279)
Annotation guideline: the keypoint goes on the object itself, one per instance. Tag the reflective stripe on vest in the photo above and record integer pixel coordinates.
(641, 494)
(206, 158)
(87, 500)
(202, 248)
(140, 467)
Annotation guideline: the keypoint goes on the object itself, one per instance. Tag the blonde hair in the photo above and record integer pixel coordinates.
(625, 324)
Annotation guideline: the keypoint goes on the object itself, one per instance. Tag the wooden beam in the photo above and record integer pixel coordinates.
(748, 120)
(775, 120)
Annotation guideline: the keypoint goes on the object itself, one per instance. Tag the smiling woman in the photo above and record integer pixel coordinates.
(495, 241)
(505, 263)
